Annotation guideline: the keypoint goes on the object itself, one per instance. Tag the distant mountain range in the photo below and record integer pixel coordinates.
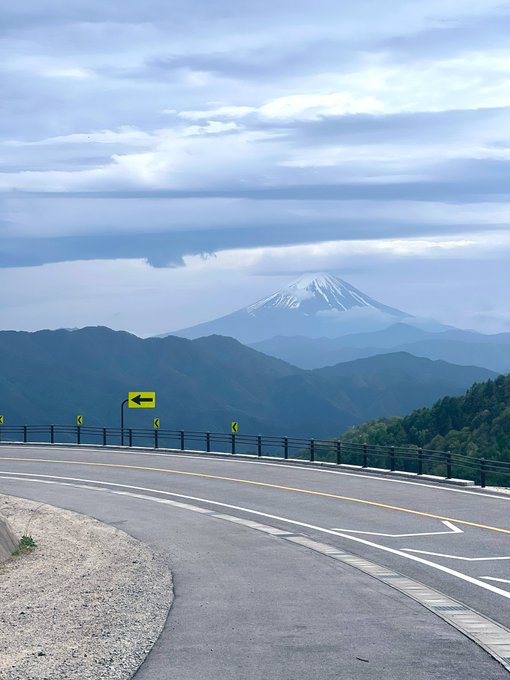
(314, 305)
(204, 384)
(452, 345)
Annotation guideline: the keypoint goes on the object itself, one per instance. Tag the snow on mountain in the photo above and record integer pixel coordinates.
(313, 293)
(314, 305)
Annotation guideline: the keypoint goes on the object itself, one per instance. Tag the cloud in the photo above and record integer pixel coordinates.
(159, 132)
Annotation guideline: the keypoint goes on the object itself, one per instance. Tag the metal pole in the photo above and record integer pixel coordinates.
(122, 421)
(259, 445)
(130, 431)
(392, 459)
(312, 450)
(156, 440)
(339, 453)
(208, 442)
(420, 461)
(182, 440)
(482, 472)
(52, 434)
(448, 465)
(104, 436)
(25, 434)
(365, 455)
(78, 437)
(286, 447)
(233, 443)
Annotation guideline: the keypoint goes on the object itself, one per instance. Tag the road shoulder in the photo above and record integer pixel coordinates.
(88, 602)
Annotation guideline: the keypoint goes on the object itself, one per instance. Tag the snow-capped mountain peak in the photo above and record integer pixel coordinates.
(314, 305)
(312, 293)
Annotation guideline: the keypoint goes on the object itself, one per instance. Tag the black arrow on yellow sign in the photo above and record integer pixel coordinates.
(141, 400)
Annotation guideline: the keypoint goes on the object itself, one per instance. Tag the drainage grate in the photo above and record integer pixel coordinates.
(450, 608)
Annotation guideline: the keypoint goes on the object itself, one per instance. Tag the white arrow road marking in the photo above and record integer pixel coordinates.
(493, 578)
(452, 530)
(456, 557)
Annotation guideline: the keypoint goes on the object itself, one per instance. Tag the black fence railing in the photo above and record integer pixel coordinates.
(484, 471)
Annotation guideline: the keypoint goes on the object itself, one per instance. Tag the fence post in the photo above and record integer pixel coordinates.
(482, 472)
(233, 439)
(208, 442)
(392, 459)
(130, 434)
(156, 438)
(420, 461)
(52, 434)
(104, 436)
(448, 465)
(312, 450)
(339, 453)
(182, 440)
(259, 445)
(365, 455)
(285, 447)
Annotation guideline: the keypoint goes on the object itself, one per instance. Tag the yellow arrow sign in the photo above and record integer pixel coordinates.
(234, 427)
(79, 420)
(157, 423)
(142, 399)
(1, 420)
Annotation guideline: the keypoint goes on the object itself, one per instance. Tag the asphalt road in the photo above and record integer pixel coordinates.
(250, 605)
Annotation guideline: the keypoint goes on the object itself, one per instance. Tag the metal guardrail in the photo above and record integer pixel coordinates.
(394, 458)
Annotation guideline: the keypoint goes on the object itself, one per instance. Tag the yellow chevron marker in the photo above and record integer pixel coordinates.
(79, 420)
(1, 420)
(234, 427)
(157, 423)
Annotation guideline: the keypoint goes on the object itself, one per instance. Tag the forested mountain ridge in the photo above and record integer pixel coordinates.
(476, 424)
(204, 384)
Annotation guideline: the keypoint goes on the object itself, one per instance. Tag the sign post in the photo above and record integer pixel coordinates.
(136, 400)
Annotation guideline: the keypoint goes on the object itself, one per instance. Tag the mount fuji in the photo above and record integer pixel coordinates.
(314, 305)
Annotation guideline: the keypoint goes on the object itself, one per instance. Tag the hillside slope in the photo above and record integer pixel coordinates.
(476, 424)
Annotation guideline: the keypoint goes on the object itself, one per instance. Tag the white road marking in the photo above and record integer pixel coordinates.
(439, 567)
(238, 459)
(456, 557)
(452, 530)
(493, 578)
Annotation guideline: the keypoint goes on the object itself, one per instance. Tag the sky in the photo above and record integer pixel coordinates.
(166, 162)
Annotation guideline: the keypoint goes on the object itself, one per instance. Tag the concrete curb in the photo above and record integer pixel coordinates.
(8, 541)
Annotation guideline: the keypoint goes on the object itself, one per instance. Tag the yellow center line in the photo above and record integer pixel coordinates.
(268, 485)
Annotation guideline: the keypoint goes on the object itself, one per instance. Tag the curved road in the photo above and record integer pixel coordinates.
(271, 562)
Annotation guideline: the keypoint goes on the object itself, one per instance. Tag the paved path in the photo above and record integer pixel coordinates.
(251, 605)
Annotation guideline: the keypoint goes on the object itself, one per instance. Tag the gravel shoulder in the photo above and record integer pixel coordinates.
(89, 602)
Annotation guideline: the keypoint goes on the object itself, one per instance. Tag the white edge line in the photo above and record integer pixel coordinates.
(393, 551)
(456, 557)
(493, 578)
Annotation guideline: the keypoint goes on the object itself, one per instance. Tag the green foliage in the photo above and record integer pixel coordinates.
(476, 424)
(25, 545)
